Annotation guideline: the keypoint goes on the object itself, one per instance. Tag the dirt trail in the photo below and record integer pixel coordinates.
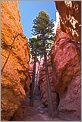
(37, 112)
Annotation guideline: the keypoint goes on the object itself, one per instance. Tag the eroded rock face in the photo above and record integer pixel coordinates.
(64, 74)
(15, 60)
(66, 59)
(70, 17)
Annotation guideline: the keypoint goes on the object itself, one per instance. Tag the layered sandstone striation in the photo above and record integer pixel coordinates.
(15, 60)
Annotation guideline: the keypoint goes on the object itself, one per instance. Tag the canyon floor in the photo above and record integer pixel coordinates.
(37, 112)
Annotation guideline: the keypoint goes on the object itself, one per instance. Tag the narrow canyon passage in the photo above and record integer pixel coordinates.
(37, 112)
(44, 67)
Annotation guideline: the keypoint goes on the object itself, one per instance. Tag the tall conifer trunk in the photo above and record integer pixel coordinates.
(33, 82)
(50, 104)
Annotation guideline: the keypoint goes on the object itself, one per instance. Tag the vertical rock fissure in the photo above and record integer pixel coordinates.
(57, 99)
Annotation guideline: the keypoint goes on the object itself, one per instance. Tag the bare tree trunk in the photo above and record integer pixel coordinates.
(33, 82)
(50, 104)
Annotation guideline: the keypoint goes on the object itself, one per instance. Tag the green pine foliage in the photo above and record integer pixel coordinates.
(43, 28)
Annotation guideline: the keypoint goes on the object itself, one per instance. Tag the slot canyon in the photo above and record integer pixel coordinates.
(64, 62)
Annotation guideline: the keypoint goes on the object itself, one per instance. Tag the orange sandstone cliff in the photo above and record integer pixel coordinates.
(15, 60)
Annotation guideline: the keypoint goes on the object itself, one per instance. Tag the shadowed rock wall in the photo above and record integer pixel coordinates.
(66, 67)
(65, 61)
(43, 84)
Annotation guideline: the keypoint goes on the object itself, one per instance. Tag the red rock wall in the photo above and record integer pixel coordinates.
(15, 60)
(70, 17)
(64, 74)
(65, 58)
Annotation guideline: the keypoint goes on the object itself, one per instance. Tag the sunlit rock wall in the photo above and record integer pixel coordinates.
(70, 17)
(15, 60)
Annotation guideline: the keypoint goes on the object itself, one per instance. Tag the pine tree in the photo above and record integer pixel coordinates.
(34, 49)
(43, 27)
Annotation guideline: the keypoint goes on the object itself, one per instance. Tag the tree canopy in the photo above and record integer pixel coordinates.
(43, 28)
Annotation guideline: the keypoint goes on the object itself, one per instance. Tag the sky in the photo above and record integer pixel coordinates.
(29, 9)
